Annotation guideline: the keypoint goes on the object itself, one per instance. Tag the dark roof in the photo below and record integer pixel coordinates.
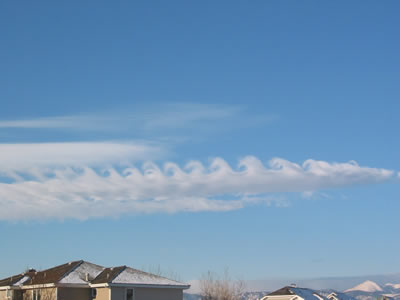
(108, 275)
(11, 280)
(283, 291)
(52, 275)
(76, 272)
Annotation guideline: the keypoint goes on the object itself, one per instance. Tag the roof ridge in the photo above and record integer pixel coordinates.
(157, 275)
(123, 268)
(72, 269)
(152, 274)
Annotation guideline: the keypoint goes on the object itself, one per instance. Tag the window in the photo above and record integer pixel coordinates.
(9, 294)
(94, 293)
(36, 295)
(129, 294)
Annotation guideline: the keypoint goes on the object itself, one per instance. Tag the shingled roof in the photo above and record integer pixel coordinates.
(11, 280)
(86, 274)
(283, 291)
(306, 294)
(108, 275)
(52, 275)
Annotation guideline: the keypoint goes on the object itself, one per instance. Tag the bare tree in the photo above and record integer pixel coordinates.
(214, 287)
(159, 271)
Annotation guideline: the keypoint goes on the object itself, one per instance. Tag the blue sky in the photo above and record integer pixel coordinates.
(198, 135)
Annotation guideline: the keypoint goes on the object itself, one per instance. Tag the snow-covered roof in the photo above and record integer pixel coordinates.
(22, 281)
(82, 274)
(133, 276)
(306, 294)
(88, 274)
(337, 295)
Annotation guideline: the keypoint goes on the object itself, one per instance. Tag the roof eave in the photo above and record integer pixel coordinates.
(144, 285)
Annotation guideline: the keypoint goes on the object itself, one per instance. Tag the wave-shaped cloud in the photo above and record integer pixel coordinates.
(21, 157)
(84, 192)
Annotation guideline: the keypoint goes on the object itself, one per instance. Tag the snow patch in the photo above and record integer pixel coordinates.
(307, 294)
(132, 276)
(80, 274)
(21, 281)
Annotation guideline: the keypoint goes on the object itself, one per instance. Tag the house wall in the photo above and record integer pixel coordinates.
(45, 294)
(117, 293)
(17, 295)
(68, 293)
(157, 294)
(103, 294)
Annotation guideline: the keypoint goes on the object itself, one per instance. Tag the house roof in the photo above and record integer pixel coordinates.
(283, 291)
(108, 275)
(133, 276)
(52, 275)
(304, 293)
(11, 280)
(84, 273)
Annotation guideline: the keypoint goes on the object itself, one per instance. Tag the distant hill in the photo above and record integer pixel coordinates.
(370, 290)
(367, 290)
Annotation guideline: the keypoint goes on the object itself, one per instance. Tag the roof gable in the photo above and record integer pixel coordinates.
(306, 294)
(52, 275)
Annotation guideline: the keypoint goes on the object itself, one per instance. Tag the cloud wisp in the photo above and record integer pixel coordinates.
(21, 157)
(86, 192)
(160, 117)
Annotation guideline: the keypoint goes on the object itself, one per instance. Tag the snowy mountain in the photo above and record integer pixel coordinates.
(369, 290)
(393, 286)
(367, 286)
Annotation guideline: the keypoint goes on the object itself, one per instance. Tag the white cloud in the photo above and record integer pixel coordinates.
(83, 193)
(21, 157)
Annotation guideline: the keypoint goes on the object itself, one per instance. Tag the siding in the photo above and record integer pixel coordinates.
(103, 294)
(117, 293)
(158, 294)
(68, 293)
(46, 294)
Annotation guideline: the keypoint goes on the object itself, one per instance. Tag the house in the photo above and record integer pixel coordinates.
(339, 296)
(294, 293)
(81, 280)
